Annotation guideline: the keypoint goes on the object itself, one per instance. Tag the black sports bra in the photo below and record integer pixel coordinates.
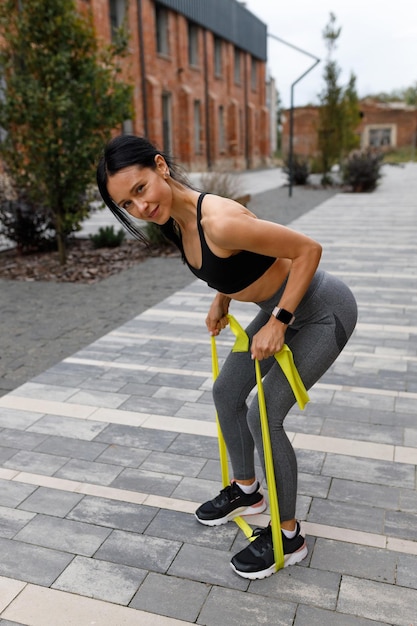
(233, 273)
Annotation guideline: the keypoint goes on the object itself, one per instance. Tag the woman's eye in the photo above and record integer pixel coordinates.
(139, 188)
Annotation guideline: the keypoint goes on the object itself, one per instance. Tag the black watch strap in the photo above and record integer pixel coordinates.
(283, 315)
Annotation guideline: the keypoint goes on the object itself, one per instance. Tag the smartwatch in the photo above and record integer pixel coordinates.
(283, 316)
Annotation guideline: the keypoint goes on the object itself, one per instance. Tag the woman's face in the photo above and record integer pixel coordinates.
(143, 192)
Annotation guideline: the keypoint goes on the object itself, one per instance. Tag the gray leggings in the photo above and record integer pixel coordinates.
(325, 319)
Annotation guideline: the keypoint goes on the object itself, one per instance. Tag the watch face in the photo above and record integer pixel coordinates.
(283, 316)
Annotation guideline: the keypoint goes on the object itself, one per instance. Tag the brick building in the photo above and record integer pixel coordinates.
(198, 68)
(382, 125)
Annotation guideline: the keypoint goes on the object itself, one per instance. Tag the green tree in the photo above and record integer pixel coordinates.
(410, 95)
(339, 109)
(351, 116)
(62, 95)
(407, 95)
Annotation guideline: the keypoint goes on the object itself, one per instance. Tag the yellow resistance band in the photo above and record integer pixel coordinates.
(244, 526)
(286, 361)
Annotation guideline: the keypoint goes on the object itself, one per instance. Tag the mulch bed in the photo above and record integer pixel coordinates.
(84, 263)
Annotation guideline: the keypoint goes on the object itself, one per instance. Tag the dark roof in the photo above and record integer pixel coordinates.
(228, 19)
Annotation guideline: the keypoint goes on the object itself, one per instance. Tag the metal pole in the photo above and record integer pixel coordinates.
(143, 70)
(207, 104)
(291, 146)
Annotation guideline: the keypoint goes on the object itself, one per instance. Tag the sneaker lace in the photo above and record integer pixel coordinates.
(263, 536)
(226, 494)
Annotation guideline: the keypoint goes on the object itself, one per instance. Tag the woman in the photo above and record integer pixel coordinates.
(247, 259)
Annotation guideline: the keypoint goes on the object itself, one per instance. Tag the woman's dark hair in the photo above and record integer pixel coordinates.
(127, 151)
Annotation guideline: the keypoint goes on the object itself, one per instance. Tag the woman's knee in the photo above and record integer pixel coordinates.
(226, 390)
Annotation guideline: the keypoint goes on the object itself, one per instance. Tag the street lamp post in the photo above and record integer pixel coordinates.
(291, 147)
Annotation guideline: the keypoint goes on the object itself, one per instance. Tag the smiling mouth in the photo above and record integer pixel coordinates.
(153, 213)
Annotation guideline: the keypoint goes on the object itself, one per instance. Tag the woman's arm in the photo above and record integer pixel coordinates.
(230, 227)
(216, 318)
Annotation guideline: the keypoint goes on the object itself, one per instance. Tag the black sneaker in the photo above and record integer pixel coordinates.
(257, 559)
(230, 503)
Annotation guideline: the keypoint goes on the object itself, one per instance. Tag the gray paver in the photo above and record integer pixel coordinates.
(160, 406)
(151, 553)
(12, 493)
(378, 601)
(31, 563)
(62, 534)
(113, 514)
(13, 418)
(136, 437)
(88, 471)
(301, 585)
(71, 447)
(146, 481)
(6, 453)
(22, 440)
(111, 582)
(68, 427)
(234, 608)
(12, 520)
(50, 501)
(343, 515)
(169, 463)
(312, 616)
(360, 561)
(170, 596)
(317, 486)
(35, 462)
(407, 570)
(123, 455)
(184, 527)
(401, 524)
(364, 493)
(369, 471)
(198, 446)
(208, 565)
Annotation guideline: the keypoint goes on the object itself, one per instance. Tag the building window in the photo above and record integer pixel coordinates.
(161, 21)
(192, 44)
(197, 126)
(254, 74)
(222, 136)
(218, 66)
(237, 72)
(166, 123)
(117, 11)
(379, 137)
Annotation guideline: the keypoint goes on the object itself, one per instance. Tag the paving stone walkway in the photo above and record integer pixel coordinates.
(105, 456)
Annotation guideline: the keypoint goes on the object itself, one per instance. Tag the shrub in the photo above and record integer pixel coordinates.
(300, 170)
(22, 221)
(361, 170)
(222, 184)
(326, 180)
(107, 237)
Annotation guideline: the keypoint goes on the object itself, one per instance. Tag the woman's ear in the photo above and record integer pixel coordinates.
(161, 166)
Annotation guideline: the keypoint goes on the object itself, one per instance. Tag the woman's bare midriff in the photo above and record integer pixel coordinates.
(268, 284)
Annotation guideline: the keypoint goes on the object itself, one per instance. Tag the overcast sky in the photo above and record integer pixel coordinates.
(378, 43)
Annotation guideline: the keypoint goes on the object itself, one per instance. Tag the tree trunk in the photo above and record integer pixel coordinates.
(60, 240)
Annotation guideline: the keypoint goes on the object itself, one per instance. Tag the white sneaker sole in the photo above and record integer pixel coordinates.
(289, 559)
(249, 510)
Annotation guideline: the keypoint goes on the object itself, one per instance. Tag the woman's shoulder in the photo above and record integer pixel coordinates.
(221, 208)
